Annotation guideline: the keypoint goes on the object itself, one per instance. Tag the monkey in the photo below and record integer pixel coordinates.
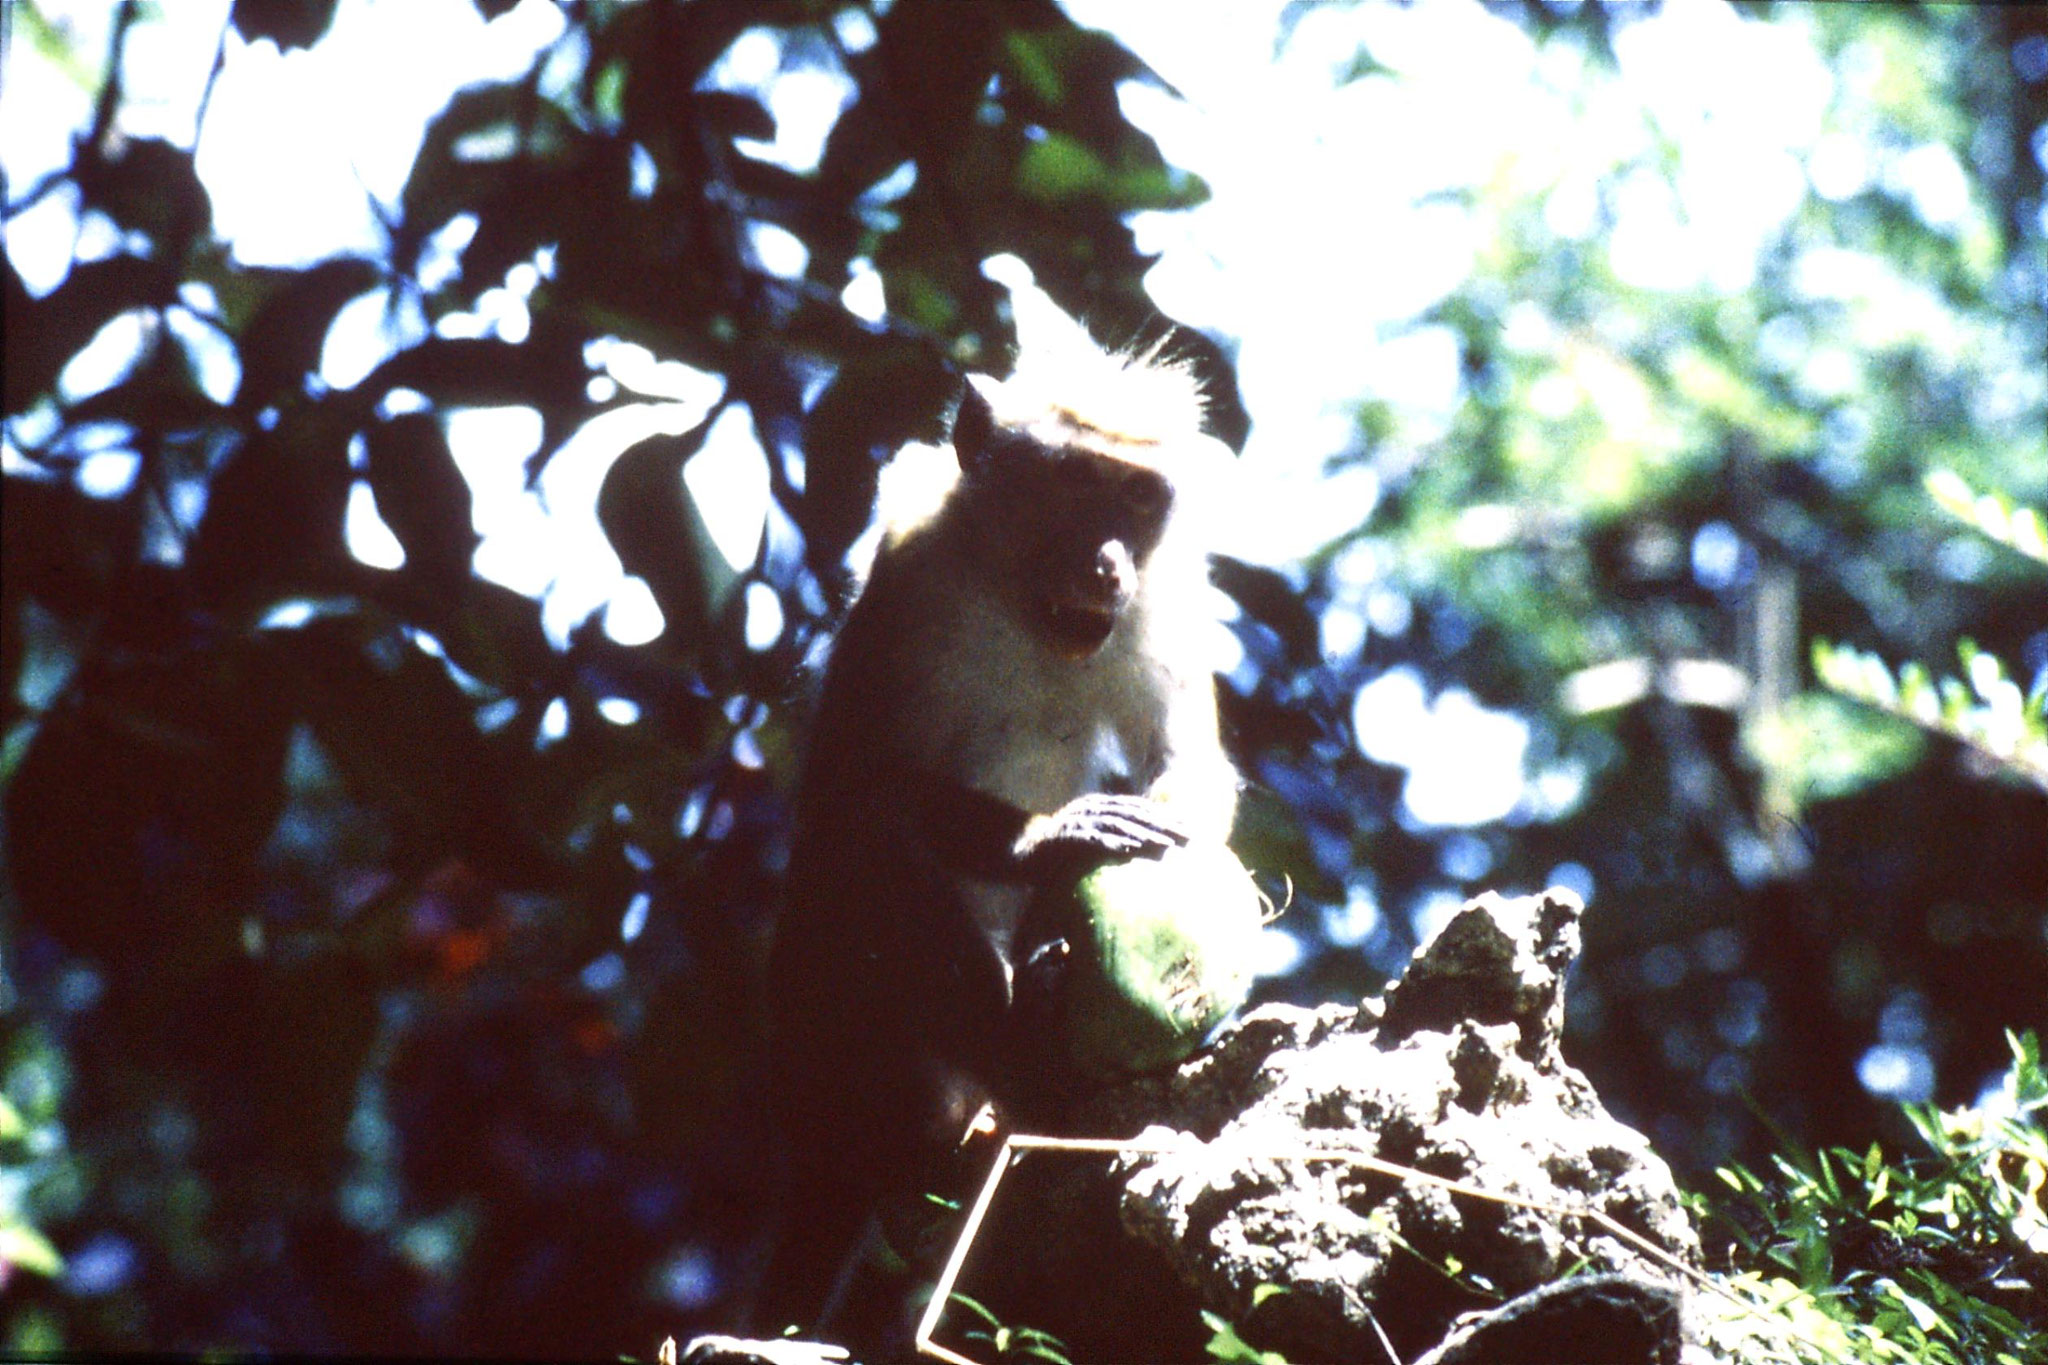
(1021, 689)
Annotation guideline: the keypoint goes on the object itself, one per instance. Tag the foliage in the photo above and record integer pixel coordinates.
(1662, 475)
(1991, 714)
(402, 933)
(383, 942)
(1227, 1344)
(1006, 1342)
(2024, 529)
(22, 1246)
(1936, 1259)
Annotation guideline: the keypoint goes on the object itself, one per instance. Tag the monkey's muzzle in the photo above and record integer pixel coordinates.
(1080, 617)
(1079, 628)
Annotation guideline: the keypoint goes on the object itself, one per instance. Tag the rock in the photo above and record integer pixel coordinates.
(1609, 1319)
(1458, 1073)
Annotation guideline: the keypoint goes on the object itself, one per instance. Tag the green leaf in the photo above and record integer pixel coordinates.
(21, 1245)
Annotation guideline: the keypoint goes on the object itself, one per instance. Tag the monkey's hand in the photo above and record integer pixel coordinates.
(1096, 827)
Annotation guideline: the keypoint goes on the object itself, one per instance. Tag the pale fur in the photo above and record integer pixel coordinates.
(992, 705)
(988, 680)
(1067, 391)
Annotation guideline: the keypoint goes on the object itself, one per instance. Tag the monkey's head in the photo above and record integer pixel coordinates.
(1067, 509)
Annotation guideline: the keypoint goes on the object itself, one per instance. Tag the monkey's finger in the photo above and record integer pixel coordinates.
(1118, 835)
(1136, 812)
(1151, 825)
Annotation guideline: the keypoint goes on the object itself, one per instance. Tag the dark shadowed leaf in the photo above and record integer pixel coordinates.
(404, 738)
(1269, 598)
(878, 401)
(476, 158)
(43, 334)
(423, 496)
(149, 186)
(546, 371)
(661, 101)
(64, 549)
(276, 1046)
(161, 397)
(135, 819)
(654, 525)
(274, 512)
(283, 340)
(935, 59)
(495, 633)
(730, 114)
(288, 23)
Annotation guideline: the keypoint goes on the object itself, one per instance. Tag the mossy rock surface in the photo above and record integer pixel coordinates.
(1165, 953)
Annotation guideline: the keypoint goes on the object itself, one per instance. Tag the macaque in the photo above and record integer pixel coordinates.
(1021, 691)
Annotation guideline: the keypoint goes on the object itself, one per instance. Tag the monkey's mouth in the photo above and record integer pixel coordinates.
(1077, 628)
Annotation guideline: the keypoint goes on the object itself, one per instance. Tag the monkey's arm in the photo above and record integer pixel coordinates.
(985, 836)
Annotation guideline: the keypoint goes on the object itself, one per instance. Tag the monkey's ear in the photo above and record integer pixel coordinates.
(971, 428)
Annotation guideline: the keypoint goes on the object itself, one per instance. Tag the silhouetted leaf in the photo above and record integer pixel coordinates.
(274, 512)
(546, 371)
(288, 23)
(43, 334)
(405, 740)
(149, 186)
(496, 152)
(162, 396)
(730, 114)
(283, 340)
(275, 1047)
(935, 61)
(64, 549)
(423, 497)
(654, 525)
(495, 633)
(661, 100)
(1268, 597)
(876, 403)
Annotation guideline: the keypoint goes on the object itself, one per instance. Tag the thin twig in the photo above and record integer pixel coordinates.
(942, 1292)
(220, 55)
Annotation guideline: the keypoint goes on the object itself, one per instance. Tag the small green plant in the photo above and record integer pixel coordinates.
(1011, 1343)
(1990, 712)
(1940, 1259)
(1225, 1344)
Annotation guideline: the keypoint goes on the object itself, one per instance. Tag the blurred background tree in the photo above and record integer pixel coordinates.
(405, 639)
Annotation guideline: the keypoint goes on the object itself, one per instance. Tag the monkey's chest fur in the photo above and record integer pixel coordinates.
(1004, 715)
(945, 723)
(1009, 717)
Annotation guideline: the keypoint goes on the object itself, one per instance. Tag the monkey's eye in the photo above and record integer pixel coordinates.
(1145, 492)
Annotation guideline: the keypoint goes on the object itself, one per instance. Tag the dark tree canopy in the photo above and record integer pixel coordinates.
(382, 956)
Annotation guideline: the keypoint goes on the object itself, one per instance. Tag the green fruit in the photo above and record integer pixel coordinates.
(1164, 952)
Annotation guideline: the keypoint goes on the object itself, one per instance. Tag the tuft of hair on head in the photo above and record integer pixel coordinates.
(1137, 395)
